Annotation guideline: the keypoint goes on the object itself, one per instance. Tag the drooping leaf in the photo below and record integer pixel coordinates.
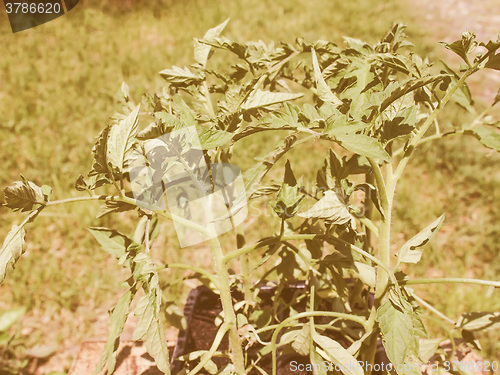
(480, 321)
(489, 136)
(261, 99)
(254, 175)
(337, 355)
(13, 247)
(117, 322)
(150, 329)
(212, 138)
(411, 251)
(323, 90)
(115, 206)
(112, 241)
(360, 144)
(23, 195)
(427, 348)
(360, 70)
(99, 165)
(10, 317)
(332, 208)
(366, 274)
(121, 139)
(178, 75)
(396, 326)
(393, 61)
(301, 342)
(202, 50)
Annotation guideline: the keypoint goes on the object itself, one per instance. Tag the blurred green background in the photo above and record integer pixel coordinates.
(58, 87)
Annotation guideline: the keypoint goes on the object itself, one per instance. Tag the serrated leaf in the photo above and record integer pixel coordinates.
(261, 99)
(10, 317)
(396, 327)
(254, 175)
(463, 46)
(112, 241)
(121, 139)
(488, 136)
(202, 50)
(411, 251)
(360, 144)
(338, 355)
(114, 207)
(361, 71)
(150, 329)
(480, 321)
(23, 196)
(117, 322)
(13, 247)
(323, 90)
(301, 342)
(332, 208)
(212, 138)
(178, 75)
(99, 165)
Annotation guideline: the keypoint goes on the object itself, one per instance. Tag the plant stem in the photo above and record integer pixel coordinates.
(451, 280)
(237, 356)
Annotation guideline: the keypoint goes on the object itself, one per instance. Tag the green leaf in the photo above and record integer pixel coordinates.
(150, 329)
(462, 96)
(360, 144)
(427, 348)
(366, 274)
(212, 138)
(332, 208)
(100, 165)
(260, 99)
(10, 317)
(480, 321)
(180, 76)
(121, 139)
(255, 175)
(112, 241)
(115, 206)
(463, 46)
(489, 136)
(12, 248)
(201, 50)
(393, 61)
(323, 90)
(117, 322)
(357, 91)
(337, 354)
(493, 62)
(23, 195)
(411, 251)
(301, 342)
(396, 327)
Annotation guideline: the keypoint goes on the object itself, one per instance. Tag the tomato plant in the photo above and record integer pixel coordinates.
(372, 105)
